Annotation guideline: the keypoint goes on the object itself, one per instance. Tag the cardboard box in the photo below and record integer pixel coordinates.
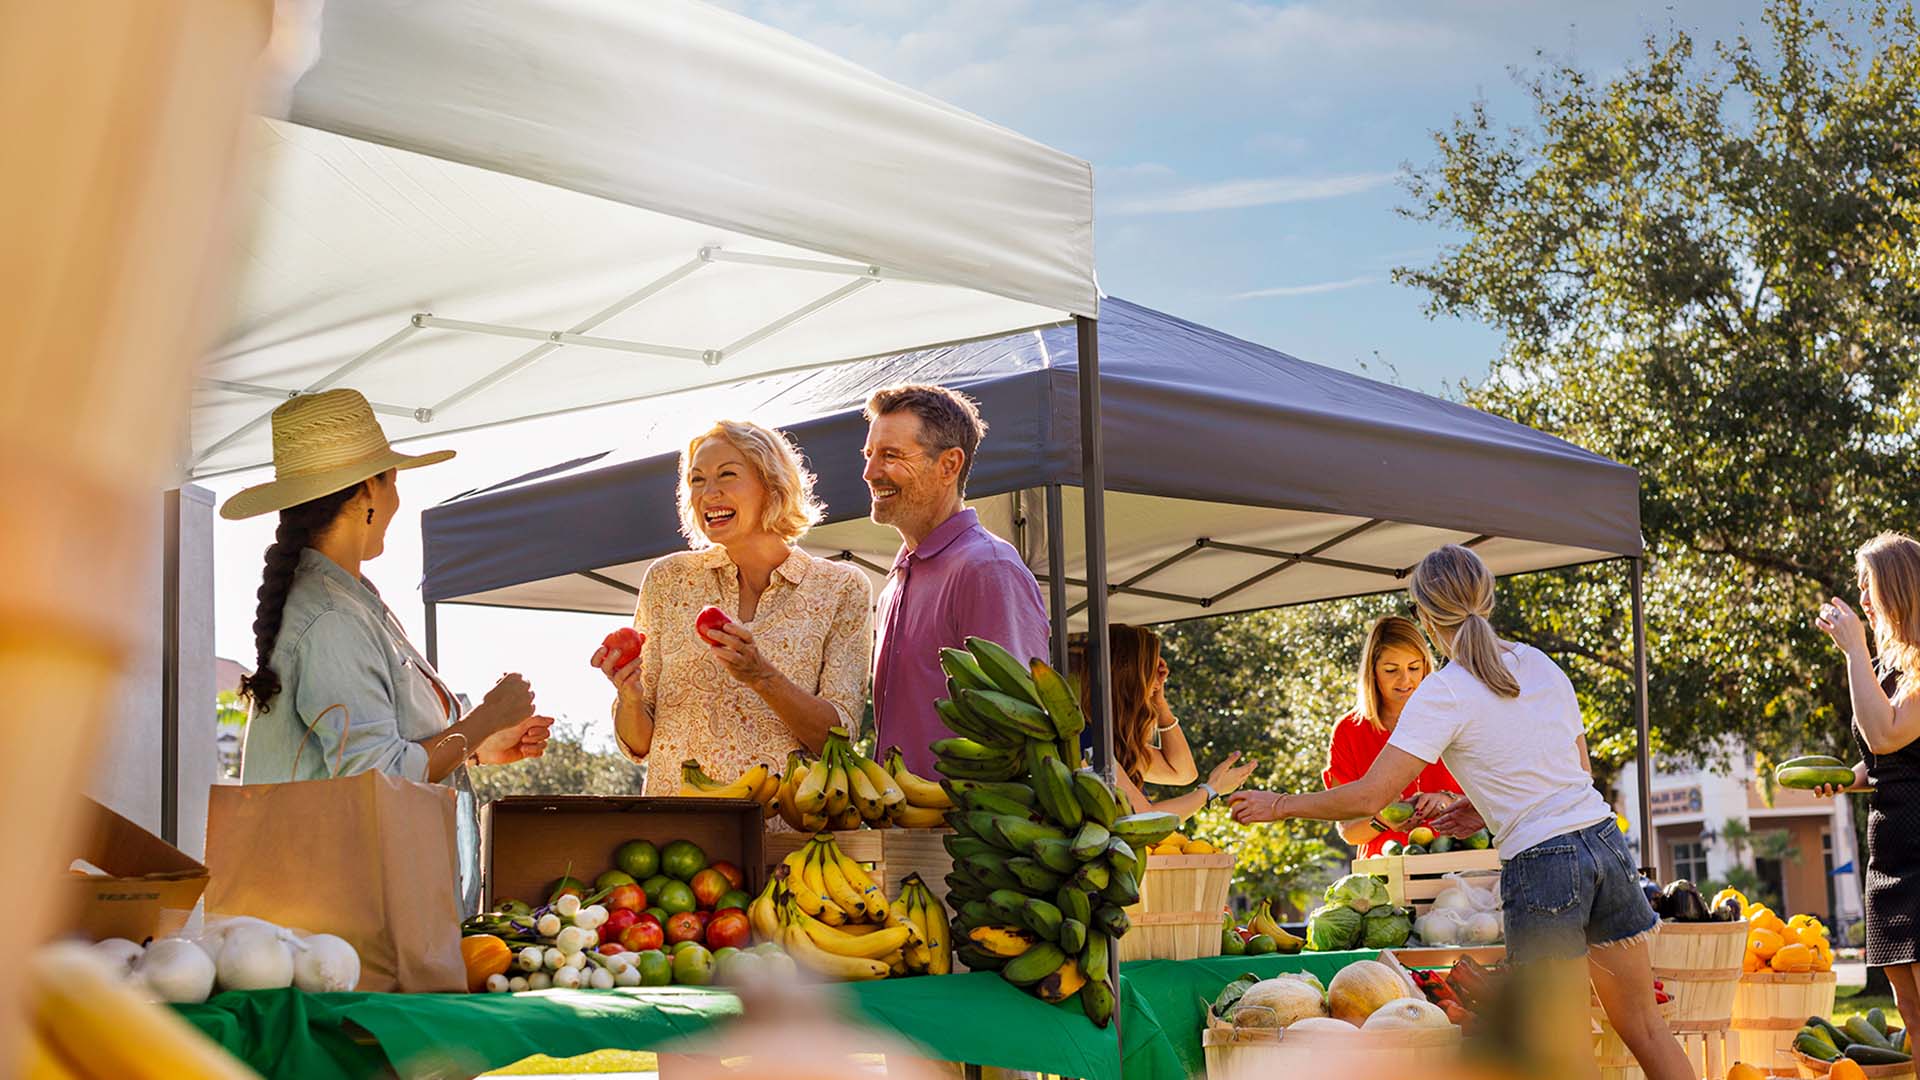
(152, 884)
(527, 841)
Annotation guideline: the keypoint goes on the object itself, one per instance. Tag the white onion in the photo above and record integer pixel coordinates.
(326, 965)
(254, 958)
(517, 985)
(549, 925)
(531, 959)
(574, 939)
(498, 984)
(602, 979)
(177, 970)
(539, 980)
(553, 959)
(568, 906)
(627, 976)
(591, 917)
(566, 979)
(119, 953)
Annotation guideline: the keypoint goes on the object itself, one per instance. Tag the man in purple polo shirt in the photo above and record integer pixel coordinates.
(952, 579)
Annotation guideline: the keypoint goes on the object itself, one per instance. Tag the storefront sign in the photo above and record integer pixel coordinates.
(1674, 801)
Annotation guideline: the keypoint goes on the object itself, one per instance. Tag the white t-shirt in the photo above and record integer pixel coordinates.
(1516, 757)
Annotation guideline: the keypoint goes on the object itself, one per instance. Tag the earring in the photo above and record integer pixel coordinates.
(369, 515)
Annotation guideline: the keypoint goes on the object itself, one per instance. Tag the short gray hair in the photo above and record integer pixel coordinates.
(949, 419)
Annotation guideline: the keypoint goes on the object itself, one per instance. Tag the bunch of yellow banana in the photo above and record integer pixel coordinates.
(841, 789)
(760, 783)
(926, 804)
(827, 913)
(919, 908)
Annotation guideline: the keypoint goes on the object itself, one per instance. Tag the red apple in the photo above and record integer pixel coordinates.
(735, 878)
(626, 898)
(610, 948)
(709, 886)
(685, 926)
(616, 924)
(729, 928)
(708, 621)
(645, 933)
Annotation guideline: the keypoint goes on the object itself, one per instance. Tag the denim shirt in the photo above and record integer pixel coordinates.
(339, 644)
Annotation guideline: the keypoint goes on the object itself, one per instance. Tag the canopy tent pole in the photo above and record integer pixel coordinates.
(1093, 486)
(170, 667)
(433, 634)
(1057, 574)
(1643, 754)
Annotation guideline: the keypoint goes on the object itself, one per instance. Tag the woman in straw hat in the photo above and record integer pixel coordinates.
(337, 688)
(1505, 719)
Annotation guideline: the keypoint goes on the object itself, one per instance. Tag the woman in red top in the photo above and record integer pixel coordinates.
(1391, 666)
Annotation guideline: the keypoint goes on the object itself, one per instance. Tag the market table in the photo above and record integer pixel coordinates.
(287, 1034)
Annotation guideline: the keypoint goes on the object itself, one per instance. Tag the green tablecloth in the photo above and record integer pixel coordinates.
(978, 1018)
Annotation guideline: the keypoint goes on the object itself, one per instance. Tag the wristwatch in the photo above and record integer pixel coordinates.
(1211, 794)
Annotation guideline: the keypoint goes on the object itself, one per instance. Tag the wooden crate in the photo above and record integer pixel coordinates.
(1258, 1054)
(1709, 1052)
(526, 841)
(1770, 1007)
(1414, 880)
(889, 854)
(1700, 965)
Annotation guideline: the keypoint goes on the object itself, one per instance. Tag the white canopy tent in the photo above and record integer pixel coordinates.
(482, 213)
(478, 213)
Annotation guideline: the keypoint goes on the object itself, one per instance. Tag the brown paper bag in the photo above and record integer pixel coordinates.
(371, 858)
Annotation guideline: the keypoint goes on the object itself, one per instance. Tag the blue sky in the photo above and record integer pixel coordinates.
(1245, 162)
(1246, 154)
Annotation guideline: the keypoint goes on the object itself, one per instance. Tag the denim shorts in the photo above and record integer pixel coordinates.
(1577, 890)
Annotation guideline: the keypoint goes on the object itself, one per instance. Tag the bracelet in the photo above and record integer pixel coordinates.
(1158, 729)
(1211, 794)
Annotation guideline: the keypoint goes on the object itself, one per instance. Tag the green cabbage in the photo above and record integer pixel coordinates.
(1331, 928)
(1359, 892)
(1386, 927)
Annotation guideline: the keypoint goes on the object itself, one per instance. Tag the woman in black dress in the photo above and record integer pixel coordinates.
(1886, 724)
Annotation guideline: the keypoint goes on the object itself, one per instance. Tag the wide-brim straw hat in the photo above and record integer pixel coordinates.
(323, 443)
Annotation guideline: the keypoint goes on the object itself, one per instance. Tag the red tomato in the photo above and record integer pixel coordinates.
(645, 933)
(609, 948)
(627, 898)
(729, 928)
(709, 886)
(616, 924)
(709, 620)
(684, 927)
(623, 646)
(732, 873)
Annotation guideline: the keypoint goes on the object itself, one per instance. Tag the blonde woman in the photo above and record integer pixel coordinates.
(1507, 723)
(1886, 724)
(793, 661)
(1393, 663)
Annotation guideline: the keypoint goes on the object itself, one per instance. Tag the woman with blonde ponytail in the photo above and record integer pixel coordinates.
(1505, 720)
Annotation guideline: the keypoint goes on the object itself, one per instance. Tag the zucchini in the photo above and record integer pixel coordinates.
(1878, 1018)
(1834, 1036)
(1808, 777)
(1821, 760)
(1813, 1031)
(1815, 1047)
(1877, 1055)
(1863, 1033)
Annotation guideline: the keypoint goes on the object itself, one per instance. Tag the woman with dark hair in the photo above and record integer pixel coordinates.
(337, 688)
(1148, 745)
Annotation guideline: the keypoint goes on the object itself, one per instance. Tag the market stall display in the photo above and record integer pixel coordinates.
(841, 789)
(1786, 976)
(1261, 935)
(1416, 879)
(1358, 913)
(1045, 865)
(824, 909)
(1372, 1014)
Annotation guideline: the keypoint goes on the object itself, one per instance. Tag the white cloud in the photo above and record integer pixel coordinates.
(1240, 194)
(1310, 290)
(1144, 168)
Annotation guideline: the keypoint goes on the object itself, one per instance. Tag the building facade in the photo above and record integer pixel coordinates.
(1708, 821)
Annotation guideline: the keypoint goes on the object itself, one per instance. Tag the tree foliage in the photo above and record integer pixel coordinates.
(1705, 267)
(569, 767)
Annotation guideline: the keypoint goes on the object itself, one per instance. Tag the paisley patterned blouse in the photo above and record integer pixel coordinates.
(814, 624)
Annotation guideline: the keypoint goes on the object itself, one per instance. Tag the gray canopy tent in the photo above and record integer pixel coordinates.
(1237, 478)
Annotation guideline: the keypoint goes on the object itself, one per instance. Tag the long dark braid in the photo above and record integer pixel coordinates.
(298, 526)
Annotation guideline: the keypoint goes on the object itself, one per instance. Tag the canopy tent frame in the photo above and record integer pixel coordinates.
(457, 573)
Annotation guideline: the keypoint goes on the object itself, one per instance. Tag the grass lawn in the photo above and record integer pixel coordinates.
(1849, 1000)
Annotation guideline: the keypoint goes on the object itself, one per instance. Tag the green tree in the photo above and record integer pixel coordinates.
(1705, 267)
(569, 767)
